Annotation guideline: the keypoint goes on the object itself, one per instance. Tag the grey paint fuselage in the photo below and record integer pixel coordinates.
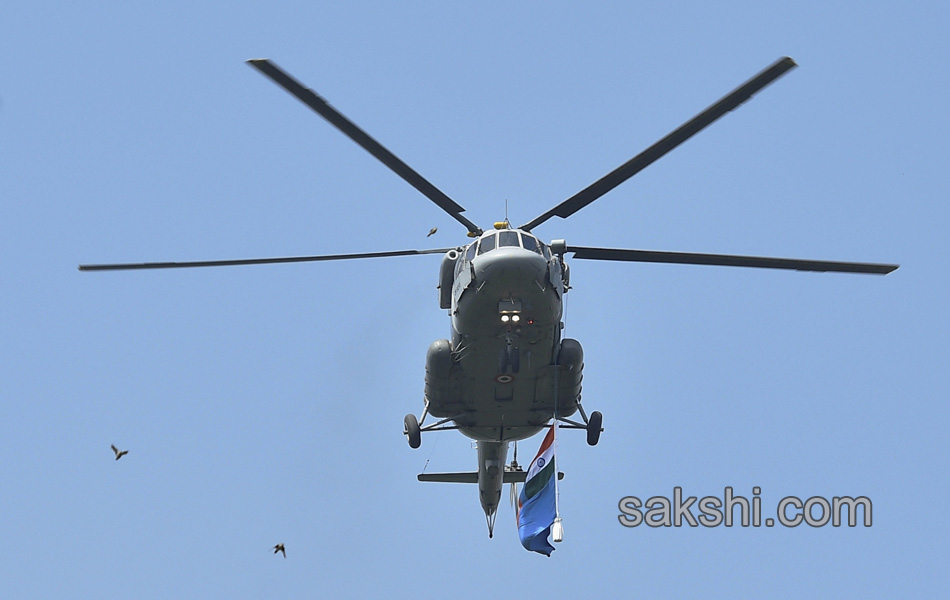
(504, 381)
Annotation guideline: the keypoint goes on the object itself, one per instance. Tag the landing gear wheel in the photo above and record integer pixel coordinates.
(593, 427)
(412, 431)
(510, 358)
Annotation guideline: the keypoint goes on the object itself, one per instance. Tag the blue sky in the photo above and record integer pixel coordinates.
(264, 404)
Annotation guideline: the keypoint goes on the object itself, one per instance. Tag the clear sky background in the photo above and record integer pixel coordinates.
(265, 404)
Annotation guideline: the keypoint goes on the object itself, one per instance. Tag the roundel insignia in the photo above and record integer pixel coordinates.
(504, 378)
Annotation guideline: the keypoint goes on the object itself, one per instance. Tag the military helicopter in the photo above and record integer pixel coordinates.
(506, 372)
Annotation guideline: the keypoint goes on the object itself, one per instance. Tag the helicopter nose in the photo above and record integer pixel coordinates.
(509, 264)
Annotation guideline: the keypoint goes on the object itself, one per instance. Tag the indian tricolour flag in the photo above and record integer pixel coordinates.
(537, 504)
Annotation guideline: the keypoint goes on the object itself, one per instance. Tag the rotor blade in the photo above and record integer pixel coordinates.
(672, 140)
(320, 106)
(257, 261)
(728, 260)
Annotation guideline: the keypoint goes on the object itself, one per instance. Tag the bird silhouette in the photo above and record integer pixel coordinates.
(280, 548)
(433, 230)
(119, 453)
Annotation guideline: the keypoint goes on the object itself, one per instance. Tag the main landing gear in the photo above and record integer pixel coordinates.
(413, 427)
(412, 431)
(593, 424)
(594, 427)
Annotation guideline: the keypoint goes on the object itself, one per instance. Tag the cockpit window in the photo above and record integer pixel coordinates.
(508, 238)
(530, 243)
(486, 244)
(470, 252)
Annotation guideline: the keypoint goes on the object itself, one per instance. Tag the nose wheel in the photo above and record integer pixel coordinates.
(510, 358)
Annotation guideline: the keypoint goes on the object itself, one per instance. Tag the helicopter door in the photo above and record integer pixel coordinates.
(463, 274)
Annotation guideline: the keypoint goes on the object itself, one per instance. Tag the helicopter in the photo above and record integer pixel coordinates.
(505, 373)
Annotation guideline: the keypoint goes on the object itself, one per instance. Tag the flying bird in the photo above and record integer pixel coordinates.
(280, 548)
(433, 230)
(119, 453)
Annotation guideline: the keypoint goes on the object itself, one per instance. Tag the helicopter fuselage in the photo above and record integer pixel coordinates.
(506, 369)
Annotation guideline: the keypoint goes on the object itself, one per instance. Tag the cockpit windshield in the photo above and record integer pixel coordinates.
(486, 244)
(508, 239)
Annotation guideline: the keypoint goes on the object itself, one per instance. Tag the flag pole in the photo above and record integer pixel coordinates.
(557, 529)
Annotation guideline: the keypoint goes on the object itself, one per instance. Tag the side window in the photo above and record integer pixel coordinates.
(530, 243)
(486, 244)
(458, 264)
(470, 252)
(508, 238)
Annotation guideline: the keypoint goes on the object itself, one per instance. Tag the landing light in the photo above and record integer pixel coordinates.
(509, 310)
